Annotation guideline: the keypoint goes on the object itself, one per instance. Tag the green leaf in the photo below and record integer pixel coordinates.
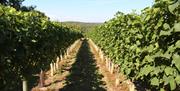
(146, 70)
(165, 33)
(1, 11)
(33, 41)
(160, 22)
(166, 26)
(169, 70)
(157, 54)
(171, 49)
(177, 27)
(177, 44)
(172, 84)
(156, 45)
(156, 10)
(128, 71)
(12, 10)
(162, 89)
(138, 43)
(177, 79)
(167, 55)
(139, 36)
(149, 58)
(166, 79)
(156, 71)
(133, 47)
(173, 7)
(148, 17)
(150, 48)
(138, 50)
(176, 61)
(155, 81)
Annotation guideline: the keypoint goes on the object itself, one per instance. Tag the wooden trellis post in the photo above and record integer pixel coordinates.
(107, 62)
(109, 66)
(42, 79)
(61, 57)
(57, 63)
(112, 67)
(117, 80)
(52, 71)
(54, 67)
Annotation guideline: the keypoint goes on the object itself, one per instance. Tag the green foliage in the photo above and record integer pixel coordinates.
(29, 41)
(146, 46)
(82, 26)
(17, 4)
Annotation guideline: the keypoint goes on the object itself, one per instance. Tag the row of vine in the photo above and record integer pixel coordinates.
(29, 42)
(146, 46)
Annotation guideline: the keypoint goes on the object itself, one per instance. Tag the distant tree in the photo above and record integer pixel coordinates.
(17, 4)
(27, 8)
(4, 2)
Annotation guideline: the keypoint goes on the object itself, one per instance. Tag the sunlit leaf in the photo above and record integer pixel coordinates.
(155, 81)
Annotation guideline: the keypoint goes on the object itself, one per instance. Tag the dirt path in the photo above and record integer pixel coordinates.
(109, 78)
(84, 75)
(81, 71)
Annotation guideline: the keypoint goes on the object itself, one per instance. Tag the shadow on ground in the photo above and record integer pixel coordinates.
(84, 74)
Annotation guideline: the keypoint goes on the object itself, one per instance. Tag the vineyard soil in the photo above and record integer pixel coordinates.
(82, 71)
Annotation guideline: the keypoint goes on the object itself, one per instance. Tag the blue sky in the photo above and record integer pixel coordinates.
(86, 10)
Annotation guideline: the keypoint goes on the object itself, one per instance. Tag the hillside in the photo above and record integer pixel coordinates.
(83, 26)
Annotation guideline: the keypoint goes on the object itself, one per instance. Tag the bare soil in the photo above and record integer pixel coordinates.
(82, 71)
